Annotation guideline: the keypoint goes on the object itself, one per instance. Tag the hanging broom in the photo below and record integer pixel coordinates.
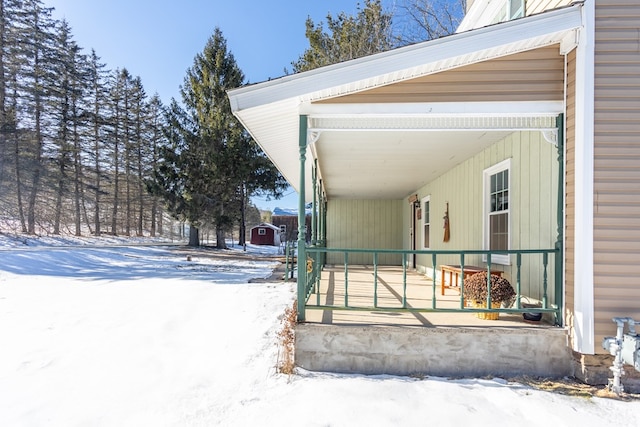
(447, 232)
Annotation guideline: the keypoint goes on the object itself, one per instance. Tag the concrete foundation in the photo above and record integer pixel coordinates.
(595, 370)
(437, 351)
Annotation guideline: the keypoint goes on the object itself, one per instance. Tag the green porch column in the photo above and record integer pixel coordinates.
(559, 265)
(314, 217)
(321, 207)
(302, 225)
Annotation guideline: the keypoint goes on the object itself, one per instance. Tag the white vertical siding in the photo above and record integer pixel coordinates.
(536, 6)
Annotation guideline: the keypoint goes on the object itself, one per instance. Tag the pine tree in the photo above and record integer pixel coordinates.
(199, 179)
(116, 105)
(8, 68)
(96, 121)
(139, 112)
(349, 37)
(36, 41)
(66, 102)
(156, 140)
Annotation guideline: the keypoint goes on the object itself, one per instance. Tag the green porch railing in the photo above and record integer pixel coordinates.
(316, 257)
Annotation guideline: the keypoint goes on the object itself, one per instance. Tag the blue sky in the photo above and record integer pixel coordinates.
(157, 40)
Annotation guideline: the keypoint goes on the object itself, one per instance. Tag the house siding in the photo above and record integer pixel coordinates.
(364, 224)
(535, 75)
(570, 195)
(616, 160)
(533, 207)
(536, 6)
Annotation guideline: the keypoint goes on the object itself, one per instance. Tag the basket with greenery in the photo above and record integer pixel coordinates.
(475, 288)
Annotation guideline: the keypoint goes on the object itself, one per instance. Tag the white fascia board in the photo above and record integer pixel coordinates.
(437, 109)
(413, 61)
(584, 316)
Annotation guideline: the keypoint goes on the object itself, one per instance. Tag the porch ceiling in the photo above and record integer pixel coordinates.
(391, 164)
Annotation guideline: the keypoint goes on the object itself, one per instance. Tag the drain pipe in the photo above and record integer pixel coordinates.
(614, 345)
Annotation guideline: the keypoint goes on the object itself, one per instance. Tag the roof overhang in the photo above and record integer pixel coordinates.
(343, 136)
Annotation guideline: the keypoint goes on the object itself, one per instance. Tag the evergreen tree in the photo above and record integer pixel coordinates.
(8, 131)
(96, 121)
(66, 104)
(36, 44)
(349, 37)
(115, 141)
(156, 140)
(199, 179)
(210, 166)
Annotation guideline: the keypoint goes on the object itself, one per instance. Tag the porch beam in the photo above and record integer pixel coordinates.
(302, 226)
(436, 109)
(410, 123)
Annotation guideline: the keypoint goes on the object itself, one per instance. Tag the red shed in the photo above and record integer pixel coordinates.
(265, 234)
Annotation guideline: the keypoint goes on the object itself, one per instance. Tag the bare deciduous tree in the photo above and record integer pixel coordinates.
(420, 20)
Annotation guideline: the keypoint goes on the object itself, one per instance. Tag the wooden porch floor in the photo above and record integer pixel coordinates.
(390, 291)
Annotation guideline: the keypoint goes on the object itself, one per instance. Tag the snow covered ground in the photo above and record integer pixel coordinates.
(139, 336)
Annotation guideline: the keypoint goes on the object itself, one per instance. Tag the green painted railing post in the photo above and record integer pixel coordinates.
(302, 226)
(433, 288)
(559, 255)
(346, 279)
(375, 279)
(489, 280)
(404, 280)
(286, 261)
(545, 264)
(518, 285)
(461, 280)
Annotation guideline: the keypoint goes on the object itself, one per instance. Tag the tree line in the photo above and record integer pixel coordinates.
(84, 149)
(77, 141)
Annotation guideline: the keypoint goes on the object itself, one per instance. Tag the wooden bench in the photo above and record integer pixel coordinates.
(457, 270)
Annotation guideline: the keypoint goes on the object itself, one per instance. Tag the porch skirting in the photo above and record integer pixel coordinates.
(435, 351)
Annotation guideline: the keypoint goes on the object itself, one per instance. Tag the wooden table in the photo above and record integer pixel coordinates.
(455, 269)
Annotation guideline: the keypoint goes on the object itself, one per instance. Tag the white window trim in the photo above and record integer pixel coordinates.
(486, 177)
(262, 231)
(424, 218)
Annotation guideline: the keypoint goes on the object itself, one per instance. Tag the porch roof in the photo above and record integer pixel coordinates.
(369, 150)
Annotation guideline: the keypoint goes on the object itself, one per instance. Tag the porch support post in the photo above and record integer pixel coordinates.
(559, 265)
(302, 225)
(314, 216)
(320, 213)
(324, 219)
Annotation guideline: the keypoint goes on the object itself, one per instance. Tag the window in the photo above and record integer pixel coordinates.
(262, 231)
(426, 223)
(516, 9)
(497, 217)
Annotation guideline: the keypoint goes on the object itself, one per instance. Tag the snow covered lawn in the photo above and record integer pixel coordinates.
(142, 337)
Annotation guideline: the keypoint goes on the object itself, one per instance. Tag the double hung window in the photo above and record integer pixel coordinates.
(497, 215)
